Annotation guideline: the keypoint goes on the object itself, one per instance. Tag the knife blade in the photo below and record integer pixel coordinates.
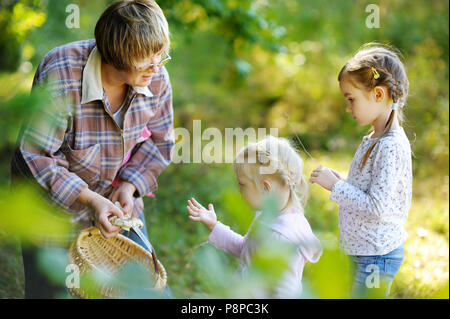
(142, 236)
(145, 240)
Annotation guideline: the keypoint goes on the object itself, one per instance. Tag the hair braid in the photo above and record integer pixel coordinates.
(386, 61)
(276, 153)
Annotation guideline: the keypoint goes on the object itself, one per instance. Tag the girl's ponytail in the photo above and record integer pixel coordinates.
(385, 131)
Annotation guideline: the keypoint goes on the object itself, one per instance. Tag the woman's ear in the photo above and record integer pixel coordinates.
(267, 186)
(380, 93)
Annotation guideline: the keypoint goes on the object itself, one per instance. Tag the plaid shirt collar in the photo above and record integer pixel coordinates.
(92, 88)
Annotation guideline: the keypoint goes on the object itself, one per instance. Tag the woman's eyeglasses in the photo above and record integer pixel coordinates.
(148, 67)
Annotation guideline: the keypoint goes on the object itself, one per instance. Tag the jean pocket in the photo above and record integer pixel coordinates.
(364, 260)
(85, 163)
(391, 266)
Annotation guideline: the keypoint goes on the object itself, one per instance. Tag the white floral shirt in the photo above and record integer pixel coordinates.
(374, 202)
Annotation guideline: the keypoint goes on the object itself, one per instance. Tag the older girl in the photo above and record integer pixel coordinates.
(375, 198)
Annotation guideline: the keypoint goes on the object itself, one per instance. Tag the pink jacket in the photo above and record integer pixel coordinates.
(290, 227)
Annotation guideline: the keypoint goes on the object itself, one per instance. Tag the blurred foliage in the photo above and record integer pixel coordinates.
(17, 20)
(244, 64)
(33, 219)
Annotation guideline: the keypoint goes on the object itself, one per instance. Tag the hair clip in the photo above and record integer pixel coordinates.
(376, 75)
(394, 105)
(262, 158)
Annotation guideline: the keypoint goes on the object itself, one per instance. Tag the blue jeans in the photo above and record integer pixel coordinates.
(374, 274)
(138, 240)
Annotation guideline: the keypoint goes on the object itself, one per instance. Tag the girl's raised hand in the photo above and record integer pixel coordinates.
(199, 213)
(337, 174)
(325, 177)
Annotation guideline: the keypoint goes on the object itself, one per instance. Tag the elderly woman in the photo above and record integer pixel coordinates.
(109, 133)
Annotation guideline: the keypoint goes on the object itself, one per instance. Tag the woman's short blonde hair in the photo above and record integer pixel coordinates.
(131, 31)
(280, 160)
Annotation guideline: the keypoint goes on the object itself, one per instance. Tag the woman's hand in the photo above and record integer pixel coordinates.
(325, 177)
(124, 195)
(102, 209)
(199, 213)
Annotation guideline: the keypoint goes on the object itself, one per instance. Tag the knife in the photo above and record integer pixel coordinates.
(130, 226)
(144, 238)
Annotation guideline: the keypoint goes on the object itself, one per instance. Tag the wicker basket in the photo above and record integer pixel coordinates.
(91, 251)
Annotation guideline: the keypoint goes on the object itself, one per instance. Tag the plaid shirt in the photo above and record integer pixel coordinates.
(75, 143)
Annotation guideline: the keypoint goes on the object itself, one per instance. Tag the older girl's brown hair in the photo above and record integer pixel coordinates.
(386, 61)
(130, 31)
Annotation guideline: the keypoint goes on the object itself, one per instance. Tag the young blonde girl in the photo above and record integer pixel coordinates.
(270, 167)
(375, 198)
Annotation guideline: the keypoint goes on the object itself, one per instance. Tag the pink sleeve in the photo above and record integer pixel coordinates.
(223, 238)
